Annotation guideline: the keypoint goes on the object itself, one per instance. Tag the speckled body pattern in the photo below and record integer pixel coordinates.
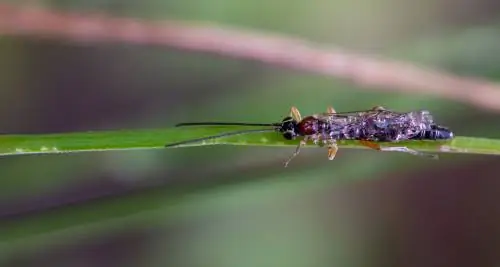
(373, 125)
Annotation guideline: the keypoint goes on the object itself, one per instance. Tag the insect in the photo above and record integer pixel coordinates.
(369, 127)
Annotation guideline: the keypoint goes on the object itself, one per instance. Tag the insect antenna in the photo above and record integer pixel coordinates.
(225, 123)
(221, 135)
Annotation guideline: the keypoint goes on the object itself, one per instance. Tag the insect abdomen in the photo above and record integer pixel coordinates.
(436, 133)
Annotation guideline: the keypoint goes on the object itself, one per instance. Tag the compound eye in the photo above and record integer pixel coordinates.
(288, 135)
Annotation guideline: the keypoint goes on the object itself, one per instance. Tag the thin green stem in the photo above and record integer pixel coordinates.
(158, 138)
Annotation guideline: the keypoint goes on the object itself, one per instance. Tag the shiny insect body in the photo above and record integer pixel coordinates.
(369, 127)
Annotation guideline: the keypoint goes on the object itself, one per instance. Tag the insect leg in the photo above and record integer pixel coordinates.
(409, 150)
(378, 108)
(295, 114)
(332, 150)
(302, 143)
(318, 139)
(371, 145)
(332, 144)
(376, 146)
(330, 110)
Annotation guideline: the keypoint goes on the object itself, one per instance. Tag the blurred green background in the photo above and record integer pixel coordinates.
(237, 206)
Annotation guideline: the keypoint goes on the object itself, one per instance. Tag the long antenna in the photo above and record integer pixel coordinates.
(219, 136)
(226, 123)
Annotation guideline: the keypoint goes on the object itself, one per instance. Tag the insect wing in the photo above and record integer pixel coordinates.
(383, 125)
(362, 118)
(404, 126)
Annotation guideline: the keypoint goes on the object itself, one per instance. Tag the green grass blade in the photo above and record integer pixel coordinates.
(157, 138)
